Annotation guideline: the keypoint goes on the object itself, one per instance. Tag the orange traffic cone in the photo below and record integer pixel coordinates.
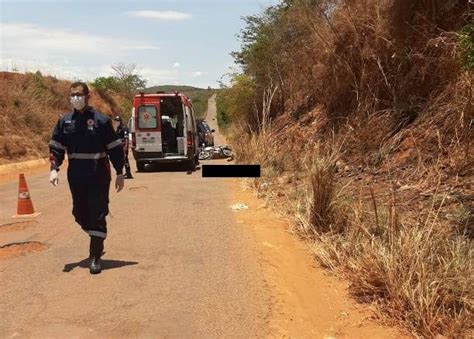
(25, 206)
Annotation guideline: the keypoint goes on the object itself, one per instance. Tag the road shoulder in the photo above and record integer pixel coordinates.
(307, 301)
(9, 172)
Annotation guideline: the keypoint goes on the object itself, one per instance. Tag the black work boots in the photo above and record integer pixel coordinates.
(94, 266)
(95, 250)
(128, 170)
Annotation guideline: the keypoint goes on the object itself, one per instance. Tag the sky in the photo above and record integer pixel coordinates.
(180, 42)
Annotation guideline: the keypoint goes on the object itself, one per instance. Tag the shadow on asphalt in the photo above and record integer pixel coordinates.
(105, 263)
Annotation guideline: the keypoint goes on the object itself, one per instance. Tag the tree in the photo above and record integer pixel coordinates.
(127, 80)
(237, 102)
(118, 90)
(105, 84)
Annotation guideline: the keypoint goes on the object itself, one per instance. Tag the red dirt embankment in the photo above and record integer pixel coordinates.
(30, 105)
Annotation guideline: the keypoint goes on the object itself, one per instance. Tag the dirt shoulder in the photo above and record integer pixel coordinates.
(308, 302)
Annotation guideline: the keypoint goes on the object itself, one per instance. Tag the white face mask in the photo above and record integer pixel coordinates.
(78, 102)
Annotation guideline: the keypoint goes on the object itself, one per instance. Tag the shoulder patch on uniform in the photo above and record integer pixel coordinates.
(101, 116)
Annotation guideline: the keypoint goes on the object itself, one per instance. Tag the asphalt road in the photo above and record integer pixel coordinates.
(176, 263)
(179, 263)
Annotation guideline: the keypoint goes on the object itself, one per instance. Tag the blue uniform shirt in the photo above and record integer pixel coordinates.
(89, 140)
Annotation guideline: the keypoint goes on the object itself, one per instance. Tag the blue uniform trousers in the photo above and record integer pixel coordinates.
(90, 203)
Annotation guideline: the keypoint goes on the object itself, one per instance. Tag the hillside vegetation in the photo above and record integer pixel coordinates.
(361, 115)
(30, 106)
(198, 96)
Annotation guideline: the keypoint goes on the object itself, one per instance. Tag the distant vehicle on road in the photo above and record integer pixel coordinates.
(205, 133)
(164, 130)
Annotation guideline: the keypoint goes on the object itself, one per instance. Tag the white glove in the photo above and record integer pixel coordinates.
(119, 182)
(54, 177)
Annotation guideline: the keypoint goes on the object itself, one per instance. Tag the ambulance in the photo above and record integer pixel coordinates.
(163, 130)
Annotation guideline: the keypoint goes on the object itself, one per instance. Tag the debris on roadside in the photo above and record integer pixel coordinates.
(239, 206)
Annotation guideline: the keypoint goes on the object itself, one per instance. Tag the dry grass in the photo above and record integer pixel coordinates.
(411, 262)
(415, 272)
(370, 148)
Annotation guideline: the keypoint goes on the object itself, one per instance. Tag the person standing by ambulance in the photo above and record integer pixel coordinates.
(90, 141)
(123, 133)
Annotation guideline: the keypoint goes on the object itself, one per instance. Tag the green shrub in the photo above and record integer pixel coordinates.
(223, 119)
(105, 84)
(236, 103)
(466, 44)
